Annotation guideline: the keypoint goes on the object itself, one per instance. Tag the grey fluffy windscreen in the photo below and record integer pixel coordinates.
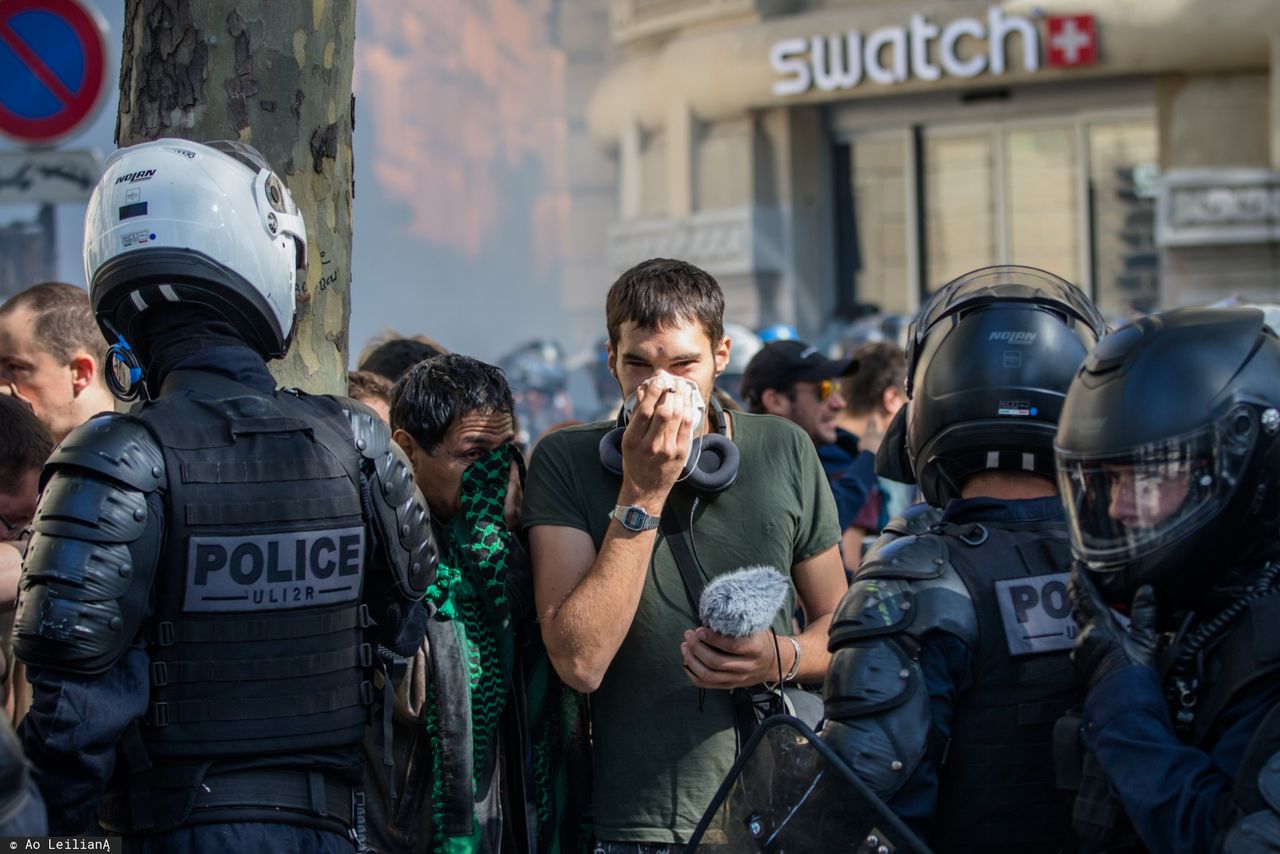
(743, 602)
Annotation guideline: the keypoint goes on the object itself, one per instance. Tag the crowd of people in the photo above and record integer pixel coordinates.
(1020, 579)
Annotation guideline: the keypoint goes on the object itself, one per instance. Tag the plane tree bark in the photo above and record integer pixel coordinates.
(275, 74)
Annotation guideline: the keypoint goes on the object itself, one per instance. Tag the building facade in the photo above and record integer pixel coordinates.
(823, 155)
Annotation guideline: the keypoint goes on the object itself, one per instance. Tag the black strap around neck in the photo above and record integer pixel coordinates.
(693, 582)
(744, 712)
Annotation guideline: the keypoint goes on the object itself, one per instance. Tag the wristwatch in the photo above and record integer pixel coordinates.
(634, 517)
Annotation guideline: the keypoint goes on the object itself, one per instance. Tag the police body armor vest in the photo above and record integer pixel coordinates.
(998, 790)
(256, 642)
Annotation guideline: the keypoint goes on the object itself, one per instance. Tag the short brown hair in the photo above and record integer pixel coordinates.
(881, 365)
(659, 293)
(62, 320)
(366, 385)
(24, 441)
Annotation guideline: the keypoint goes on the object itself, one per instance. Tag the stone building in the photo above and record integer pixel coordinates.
(821, 154)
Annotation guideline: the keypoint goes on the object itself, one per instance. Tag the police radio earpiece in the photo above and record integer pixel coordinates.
(713, 458)
(124, 374)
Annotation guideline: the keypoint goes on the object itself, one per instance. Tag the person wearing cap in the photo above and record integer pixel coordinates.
(795, 381)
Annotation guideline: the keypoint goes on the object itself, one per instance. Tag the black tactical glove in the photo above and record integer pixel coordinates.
(1104, 645)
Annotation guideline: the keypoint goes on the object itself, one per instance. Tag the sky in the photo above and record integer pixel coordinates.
(458, 218)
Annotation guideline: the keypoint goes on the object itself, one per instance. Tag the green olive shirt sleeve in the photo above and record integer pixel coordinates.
(552, 495)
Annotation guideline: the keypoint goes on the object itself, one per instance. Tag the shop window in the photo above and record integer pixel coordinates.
(722, 166)
(959, 205)
(1074, 196)
(879, 228)
(1042, 219)
(653, 175)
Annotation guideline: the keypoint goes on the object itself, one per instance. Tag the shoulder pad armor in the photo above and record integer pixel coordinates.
(870, 608)
(910, 587)
(118, 447)
(877, 704)
(907, 557)
(867, 677)
(399, 510)
(882, 743)
(915, 520)
(371, 434)
(87, 574)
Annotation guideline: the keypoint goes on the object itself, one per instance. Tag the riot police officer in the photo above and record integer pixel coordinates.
(210, 575)
(951, 647)
(1170, 470)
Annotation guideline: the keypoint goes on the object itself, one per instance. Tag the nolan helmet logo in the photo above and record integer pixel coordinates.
(1011, 337)
(134, 177)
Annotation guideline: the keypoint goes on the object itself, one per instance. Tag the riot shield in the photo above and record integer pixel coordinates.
(789, 793)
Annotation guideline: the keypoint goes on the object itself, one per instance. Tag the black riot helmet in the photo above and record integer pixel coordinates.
(1167, 456)
(989, 360)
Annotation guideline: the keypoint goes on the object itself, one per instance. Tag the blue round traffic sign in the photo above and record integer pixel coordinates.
(53, 64)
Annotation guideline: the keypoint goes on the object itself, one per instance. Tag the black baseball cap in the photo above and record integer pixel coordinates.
(781, 363)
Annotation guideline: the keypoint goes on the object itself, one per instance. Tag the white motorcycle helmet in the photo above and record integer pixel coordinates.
(744, 344)
(174, 221)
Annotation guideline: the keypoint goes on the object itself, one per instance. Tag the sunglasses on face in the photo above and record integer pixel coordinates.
(825, 388)
(822, 388)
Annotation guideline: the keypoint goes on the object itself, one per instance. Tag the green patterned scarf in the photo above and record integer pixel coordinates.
(470, 591)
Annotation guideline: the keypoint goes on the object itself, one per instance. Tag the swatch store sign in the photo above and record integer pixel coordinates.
(924, 50)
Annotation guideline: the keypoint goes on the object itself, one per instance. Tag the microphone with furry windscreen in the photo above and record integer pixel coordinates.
(743, 602)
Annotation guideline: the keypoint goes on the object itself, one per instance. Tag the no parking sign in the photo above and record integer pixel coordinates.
(53, 67)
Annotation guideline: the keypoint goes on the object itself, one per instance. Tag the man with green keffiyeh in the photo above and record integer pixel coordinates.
(487, 749)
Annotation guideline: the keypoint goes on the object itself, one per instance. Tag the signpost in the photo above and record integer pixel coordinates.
(44, 177)
(53, 64)
(53, 75)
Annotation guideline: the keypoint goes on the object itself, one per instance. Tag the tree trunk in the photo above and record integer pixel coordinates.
(275, 75)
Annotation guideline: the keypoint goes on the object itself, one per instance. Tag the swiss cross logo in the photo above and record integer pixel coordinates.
(1073, 40)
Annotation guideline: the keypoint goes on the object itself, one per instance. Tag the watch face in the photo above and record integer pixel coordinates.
(634, 519)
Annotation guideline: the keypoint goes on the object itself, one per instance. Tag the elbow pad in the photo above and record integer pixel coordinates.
(877, 703)
(400, 514)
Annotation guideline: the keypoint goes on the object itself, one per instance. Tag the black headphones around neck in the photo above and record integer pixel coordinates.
(715, 457)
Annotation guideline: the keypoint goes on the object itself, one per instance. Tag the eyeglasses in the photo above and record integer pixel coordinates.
(822, 388)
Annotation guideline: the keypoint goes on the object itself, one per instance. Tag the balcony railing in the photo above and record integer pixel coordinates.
(632, 20)
(723, 242)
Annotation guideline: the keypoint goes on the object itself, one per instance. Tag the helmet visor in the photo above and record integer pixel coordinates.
(242, 153)
(1124, 506)
(1009, 283)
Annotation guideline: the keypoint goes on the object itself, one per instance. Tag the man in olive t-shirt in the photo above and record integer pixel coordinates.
(615, 615)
